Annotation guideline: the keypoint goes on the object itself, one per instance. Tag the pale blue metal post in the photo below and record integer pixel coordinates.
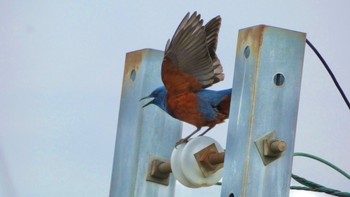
(143, 133)
(265, 99)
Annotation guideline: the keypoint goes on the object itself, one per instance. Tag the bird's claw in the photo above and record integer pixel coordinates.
(181, 141)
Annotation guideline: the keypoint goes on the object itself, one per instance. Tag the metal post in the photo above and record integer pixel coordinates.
(143, 133)
(265, 99)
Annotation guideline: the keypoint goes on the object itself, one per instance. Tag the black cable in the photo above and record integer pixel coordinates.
(329, 72)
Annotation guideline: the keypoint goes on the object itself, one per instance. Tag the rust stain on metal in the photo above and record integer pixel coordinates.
(209, 160)
(274, 147)
(270, 148)
(133, 62)
(159, 172)
(216, 158)
(253, 38)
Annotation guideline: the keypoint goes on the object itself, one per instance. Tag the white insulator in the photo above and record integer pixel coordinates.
(185, 167)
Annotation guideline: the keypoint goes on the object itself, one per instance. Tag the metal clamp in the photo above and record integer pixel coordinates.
(270, 148)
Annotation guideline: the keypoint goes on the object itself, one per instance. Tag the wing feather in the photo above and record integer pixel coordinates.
(190, 62)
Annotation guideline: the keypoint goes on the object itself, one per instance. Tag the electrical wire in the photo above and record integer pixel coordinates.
(329, 72)
(311, 186)
(315, 187)
(322, 161)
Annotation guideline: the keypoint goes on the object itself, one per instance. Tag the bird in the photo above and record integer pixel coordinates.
(190, 65)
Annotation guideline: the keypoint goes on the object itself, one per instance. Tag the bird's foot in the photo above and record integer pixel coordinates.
(181, 141)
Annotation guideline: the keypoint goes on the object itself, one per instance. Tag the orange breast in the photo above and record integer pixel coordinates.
(185, 107)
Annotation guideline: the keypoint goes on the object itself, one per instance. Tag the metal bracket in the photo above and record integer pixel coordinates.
(270, 148)
(205, 165)
(159, 171)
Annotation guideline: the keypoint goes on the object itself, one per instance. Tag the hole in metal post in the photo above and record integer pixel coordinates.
(246, 52)
(133, 75)
(278, 79)
(231, 195)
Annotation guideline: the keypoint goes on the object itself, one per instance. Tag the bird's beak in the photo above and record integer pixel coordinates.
(146, 97)
(151, 102)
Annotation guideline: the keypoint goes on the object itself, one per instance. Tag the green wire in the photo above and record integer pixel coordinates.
(323, 161)
(311, 186)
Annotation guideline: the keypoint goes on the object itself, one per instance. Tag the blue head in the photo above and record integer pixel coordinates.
(159, 96)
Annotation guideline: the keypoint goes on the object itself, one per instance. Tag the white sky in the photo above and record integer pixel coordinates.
(61, 65)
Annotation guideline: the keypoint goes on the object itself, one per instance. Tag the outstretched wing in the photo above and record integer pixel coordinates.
(190, 62)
